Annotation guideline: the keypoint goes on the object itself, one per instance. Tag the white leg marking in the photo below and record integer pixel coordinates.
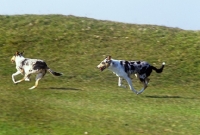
(120, 83)
(28, 78)
(136, 75)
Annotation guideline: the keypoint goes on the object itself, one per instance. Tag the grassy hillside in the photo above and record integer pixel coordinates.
(87, 100)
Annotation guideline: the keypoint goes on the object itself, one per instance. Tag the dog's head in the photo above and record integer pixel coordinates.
(15, 55)
(105, 63)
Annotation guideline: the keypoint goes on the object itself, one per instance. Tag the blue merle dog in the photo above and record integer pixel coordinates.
(26, 67)
(123, 69)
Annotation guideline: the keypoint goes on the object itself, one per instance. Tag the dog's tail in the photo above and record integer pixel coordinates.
(160, 69)
(54, 73)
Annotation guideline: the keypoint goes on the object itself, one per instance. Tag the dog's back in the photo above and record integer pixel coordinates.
(133, 67)
(34, 63)
(141, 68)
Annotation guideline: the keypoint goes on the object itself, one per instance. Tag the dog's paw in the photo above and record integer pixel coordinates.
(32, 88)
(15, 83)
(27, 79)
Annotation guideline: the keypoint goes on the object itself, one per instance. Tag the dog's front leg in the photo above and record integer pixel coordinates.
(13, 76)
(120, 83)
(21, 79)
(129, 81)
(23, 72)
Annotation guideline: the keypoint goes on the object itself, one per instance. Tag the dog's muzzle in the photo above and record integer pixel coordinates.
(12, 60)
(101, 68)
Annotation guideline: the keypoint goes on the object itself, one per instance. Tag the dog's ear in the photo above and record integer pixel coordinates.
(17, 53)
(109, 57)
(22, 53)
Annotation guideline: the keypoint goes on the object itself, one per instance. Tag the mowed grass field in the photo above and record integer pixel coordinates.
(87, 101)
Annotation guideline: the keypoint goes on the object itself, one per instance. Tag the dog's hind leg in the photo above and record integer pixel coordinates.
(145, 82)
(38, 77)
(142, 90)
(120, 83)
(36, 84)
(129, 81)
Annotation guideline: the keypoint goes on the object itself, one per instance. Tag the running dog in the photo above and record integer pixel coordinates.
(123, 69)
(26, 67)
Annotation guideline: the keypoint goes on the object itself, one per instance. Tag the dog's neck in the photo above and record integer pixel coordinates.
(19, 59)
(116, 67)
(114, 64)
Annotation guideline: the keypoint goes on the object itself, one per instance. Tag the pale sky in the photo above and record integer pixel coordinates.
(184, 14)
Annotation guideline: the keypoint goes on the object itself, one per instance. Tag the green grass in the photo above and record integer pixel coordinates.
(87, 100)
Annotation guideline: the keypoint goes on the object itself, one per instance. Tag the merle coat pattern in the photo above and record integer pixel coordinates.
(26, 67)
(124, 69)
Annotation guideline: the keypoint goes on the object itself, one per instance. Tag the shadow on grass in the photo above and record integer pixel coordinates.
(168, 96)
(62, 88)
(163, 96)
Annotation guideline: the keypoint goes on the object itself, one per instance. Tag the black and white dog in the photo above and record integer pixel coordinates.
(123, 69)
(28, 66)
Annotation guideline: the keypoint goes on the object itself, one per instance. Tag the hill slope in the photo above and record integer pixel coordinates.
(67, 39)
